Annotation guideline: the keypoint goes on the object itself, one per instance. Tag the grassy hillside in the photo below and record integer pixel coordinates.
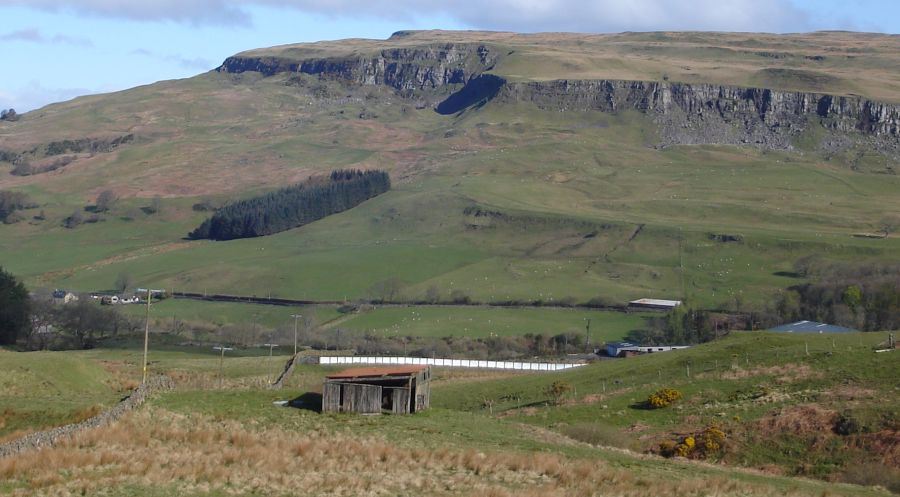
(239, 443)
(44, 389)
(501, 202)
(826, 413)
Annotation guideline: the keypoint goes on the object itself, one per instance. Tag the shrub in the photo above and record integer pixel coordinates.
(73, 220)
(557, 390)
(703, 445)
(663, 398)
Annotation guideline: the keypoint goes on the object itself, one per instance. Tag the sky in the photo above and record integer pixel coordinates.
(55, 50)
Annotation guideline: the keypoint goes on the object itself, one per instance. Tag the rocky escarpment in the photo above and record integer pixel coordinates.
(719, 114)
(418, 68)
(687, 114)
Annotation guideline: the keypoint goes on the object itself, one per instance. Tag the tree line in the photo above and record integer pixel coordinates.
(10, 202)
(34, 322)
(293, 206)
(863, 296)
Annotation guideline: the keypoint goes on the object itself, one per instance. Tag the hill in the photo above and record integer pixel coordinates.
(792, 404)
(525, 167)
(222, 434)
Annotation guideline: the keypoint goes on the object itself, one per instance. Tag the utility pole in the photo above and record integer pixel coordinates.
(271, 346)
(146, 336)
(296, 319)
(222, 362)
(587, 341)
(681, 261)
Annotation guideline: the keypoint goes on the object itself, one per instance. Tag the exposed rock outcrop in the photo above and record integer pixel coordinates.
(687, 114)
(426, 67)
(720, 114)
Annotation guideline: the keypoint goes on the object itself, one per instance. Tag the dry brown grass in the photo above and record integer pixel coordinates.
(197, 454)
(800, 419)
(783, 373)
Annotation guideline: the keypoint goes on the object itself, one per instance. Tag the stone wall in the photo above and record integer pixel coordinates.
(51, 437)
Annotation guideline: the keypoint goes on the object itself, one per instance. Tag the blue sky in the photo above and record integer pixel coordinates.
(54, 50)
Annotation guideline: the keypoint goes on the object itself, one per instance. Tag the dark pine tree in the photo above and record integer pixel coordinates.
(293, 206)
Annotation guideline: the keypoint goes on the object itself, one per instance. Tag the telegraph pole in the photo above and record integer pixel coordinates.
(146, 336)
(296, 319)
(587, 340)
(271, 346)
(222, 362)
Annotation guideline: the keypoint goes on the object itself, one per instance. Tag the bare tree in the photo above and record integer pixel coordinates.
(890, 224)
(155, 205)
(104, 201)
(123, 282)
(386, 290)
(433, 294)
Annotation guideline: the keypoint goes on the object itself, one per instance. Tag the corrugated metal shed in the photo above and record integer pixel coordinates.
(655, 303)
(374, 390)
(378, 371)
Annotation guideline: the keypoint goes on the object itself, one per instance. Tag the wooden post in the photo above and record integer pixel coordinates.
(146, 336)
(587, 341)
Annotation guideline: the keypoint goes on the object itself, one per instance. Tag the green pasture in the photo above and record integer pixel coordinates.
(45, 389)
(438, 321)
(229, 313)
(581, 204)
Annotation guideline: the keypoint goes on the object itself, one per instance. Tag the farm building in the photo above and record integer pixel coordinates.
(810, 327)
(625, 349)
(376, 390)
(654, 304)
(64, 297)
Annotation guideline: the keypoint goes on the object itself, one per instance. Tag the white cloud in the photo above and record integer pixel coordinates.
(34, 96)
(193, 11)
(513, 15)
(194, 64)
(34, 35)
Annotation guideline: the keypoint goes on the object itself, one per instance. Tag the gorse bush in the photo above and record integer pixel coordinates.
(663, 398)
(558, 390)
(703, 445)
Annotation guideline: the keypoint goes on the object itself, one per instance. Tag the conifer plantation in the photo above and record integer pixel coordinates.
(293, 206)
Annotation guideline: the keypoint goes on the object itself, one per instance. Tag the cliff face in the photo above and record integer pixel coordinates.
(686, 113)
(717, 114)
(428, 67)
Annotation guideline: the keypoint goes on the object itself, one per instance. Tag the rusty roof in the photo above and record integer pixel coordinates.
(374, 372)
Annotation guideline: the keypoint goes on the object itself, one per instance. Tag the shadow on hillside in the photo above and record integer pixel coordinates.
(477, 92)
(309, 401)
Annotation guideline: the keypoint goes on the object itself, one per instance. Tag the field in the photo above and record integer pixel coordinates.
(481, 323)
(241, 444)
(623, 230)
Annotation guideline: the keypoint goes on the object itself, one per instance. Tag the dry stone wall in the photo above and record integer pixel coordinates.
(51, 437)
